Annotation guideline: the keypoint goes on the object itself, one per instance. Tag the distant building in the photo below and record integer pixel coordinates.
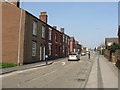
(100, 47)
(110, 41)
(119, 34)
(78, 47)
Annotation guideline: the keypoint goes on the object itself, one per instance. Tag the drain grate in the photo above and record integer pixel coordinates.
(80, 79)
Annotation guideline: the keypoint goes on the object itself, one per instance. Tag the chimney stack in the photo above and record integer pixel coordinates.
(15, 2)
(62, 30)
(76, 42)
(55, 27)
(43, 16)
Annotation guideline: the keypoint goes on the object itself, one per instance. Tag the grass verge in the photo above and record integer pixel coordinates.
(7, 65)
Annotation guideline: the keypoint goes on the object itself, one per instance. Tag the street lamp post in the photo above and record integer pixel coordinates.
(46, 59)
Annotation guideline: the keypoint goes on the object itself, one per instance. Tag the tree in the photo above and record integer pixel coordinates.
(114, 47)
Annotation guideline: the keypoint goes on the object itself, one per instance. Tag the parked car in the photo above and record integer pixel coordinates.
(87, 52)
(73, 56)
(83, 54)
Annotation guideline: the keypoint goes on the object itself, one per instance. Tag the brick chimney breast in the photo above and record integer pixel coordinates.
(43, 16)
(76, 42)
(62, 30)
(15, 2)
(55, 27)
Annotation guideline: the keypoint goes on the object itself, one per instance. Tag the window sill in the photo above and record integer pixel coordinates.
(33, 56)
(34, 35)
(43, 38)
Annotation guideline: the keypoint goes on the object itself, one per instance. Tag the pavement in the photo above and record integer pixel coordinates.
(24, 67)
(104, 74)
(27, 66)
(92, 80)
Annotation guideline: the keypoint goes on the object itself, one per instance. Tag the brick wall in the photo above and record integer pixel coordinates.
(10, 32)
(0, 32)
(107, 53)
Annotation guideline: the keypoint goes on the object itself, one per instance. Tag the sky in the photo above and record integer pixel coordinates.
(119, 13)
(88, 22)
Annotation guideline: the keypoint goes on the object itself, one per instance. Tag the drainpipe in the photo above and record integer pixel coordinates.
(19, 36)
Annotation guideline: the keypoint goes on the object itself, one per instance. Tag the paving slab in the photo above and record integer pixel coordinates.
(109, 73)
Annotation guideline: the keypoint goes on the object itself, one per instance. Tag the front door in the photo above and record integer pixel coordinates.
(40, 53)
(44, 53)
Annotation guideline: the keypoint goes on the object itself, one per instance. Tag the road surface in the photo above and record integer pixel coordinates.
(61, 74)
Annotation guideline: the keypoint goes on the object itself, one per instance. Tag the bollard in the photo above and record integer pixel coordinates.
(89, 55)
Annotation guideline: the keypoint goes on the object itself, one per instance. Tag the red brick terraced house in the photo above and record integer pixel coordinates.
(49, 43)
(27, 39)
(10, 33)
(56, 43)
(65, 43)
(32, 37)
(72, 44)
(61, 43)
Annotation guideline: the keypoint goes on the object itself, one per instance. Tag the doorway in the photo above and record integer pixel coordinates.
(40, 53)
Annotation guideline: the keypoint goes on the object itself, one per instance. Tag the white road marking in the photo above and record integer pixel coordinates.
(63, 63)
(79, 61)
(60, 61)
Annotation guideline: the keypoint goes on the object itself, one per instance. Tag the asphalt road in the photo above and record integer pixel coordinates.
(61, 74)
